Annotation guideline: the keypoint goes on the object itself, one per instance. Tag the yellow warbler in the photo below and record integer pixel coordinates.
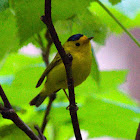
(79, 47)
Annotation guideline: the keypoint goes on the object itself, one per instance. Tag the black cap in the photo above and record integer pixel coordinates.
(75, 37)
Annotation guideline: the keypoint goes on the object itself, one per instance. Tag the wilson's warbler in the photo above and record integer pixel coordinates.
(79, 47)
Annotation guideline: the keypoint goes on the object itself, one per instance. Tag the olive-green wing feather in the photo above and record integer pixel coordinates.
(57, 60)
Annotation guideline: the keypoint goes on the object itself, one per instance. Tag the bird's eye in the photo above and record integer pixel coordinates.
(77, 44)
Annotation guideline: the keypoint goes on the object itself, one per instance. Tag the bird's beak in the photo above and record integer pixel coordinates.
(90, 38)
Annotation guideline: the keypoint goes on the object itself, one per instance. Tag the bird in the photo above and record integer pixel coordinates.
(79, 46)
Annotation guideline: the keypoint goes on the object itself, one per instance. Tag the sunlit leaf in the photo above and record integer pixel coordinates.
(16, 62)
(109, 21)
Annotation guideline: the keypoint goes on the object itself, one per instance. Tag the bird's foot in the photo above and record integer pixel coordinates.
(72, 108)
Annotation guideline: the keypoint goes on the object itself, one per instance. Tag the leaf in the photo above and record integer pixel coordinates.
(4, 4)
(101, 118)
(8, 33)
(114, 2)
(23, 86)
(90, 25)
(16, 62)
(105, 18)
(10, 132)
(107, 89)
(28, 15)
(25, 72)
(95, 73)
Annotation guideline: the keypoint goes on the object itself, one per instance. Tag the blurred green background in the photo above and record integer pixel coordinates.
(104, 110)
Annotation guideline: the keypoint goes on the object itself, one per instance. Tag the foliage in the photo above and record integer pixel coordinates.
(3, 5)
(103, 108)
(19, 25)
(110, 23)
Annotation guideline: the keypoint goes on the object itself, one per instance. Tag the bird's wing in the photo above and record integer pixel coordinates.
(57, 60)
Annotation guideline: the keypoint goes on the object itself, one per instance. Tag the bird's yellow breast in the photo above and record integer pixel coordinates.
(81, 66)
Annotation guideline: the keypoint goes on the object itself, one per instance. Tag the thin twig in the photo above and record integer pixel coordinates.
(39, 132)
(4, 98)
(45, 120)
(119, 23)
(45, 54)
(67, 60)
(138, 133)
(45, 50)
(38, 39)
(8, 113)
(66, 94)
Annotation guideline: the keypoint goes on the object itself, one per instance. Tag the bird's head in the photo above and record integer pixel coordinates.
(77, 42)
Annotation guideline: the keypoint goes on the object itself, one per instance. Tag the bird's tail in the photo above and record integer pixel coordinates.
(38, 100)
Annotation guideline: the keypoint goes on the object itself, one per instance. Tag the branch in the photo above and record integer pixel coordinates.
(39, 132)
(119, 23)
(45, 50)
(8, 113)
(45, 120)
(45, 56)
(67, 60)
(138, 133)
(45, 53)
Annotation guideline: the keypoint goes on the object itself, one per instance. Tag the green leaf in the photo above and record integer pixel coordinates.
(25, 72)
(101, 118)
(95, 73)
(9, 132)
(4, 4)
(28, 15)
(114, 2)
(16, 62)
(107, 89)
(23, 86)
(67, 9)
(90, 25)
(109, 22)
(8, 33)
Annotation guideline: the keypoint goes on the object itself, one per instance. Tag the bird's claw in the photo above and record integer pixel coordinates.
(72, 108)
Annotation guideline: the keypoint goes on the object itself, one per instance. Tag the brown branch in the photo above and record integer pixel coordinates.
(39, 132)
(138, 133)
(67, 60)
(45, 56)
(45, 50)
(45, 120)
(45, 53)
(8, 113)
